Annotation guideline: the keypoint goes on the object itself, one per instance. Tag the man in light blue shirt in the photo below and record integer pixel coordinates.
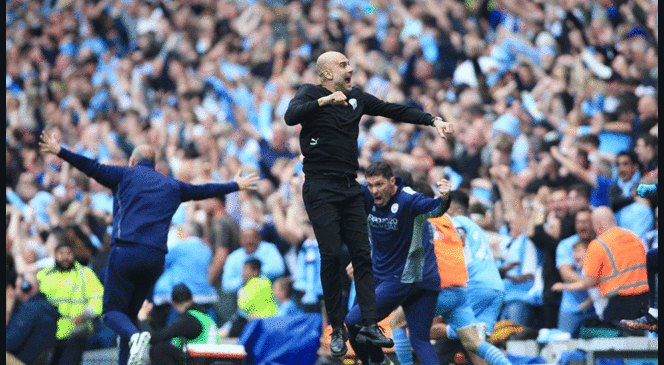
(632, 212)
(187, 261)
(251, 247)
(485, 288)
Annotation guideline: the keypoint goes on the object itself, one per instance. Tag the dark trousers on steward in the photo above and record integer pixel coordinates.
(335, 205)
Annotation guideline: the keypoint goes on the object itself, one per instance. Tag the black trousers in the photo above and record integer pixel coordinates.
(164, 353)
(625, 307)
(335, 205)
(69, 351)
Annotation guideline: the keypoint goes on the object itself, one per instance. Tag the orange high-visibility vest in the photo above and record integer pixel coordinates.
(448, 247)
(617, 259)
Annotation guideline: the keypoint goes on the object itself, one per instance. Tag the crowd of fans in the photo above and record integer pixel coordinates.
(555, 104)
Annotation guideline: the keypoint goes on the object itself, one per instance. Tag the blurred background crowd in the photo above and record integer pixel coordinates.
(556, 99)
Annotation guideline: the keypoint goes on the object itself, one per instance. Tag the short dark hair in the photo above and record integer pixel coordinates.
(424, 188)
(582, 189)
(649, 140)
(405, 175)
(254, 264)
(460, 199)
(631, 155)
(583, 210)
(379, 168)
(590, 138)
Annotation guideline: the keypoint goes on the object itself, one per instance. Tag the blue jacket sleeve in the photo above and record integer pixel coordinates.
(205, 191)
(18, 328)
(421, 205)
(109, 176)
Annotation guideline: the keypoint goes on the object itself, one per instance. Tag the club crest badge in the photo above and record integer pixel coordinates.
(353, 103)
(394, 208)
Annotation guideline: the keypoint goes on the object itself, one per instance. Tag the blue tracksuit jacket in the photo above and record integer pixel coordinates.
(144, 200)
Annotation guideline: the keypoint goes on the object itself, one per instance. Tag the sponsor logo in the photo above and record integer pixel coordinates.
(390, 224)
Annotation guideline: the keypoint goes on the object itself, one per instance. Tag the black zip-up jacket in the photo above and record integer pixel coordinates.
(328, 139)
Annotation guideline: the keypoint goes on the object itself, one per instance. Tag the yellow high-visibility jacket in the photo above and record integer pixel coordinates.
(74, 292)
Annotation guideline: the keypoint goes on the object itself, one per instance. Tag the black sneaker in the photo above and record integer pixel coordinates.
(338, 346)
(373, 334)
(647, 322)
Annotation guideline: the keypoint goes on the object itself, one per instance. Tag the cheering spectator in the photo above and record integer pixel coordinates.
(272, 264)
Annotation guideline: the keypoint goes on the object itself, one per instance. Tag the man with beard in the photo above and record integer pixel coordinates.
(77, 293)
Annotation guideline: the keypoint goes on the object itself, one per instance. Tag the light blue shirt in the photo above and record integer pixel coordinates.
(482, 269)
(307, 275)
(267, 253)
(636, 217)
(571, 299)
(102, 201)
(565, 251)
(288, 308)
(524, 251)
(187, 261)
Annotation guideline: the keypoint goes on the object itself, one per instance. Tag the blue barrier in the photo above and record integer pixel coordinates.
(282, 340)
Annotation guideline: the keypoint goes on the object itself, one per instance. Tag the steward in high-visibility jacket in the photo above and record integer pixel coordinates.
(616, 263)
(74, 289)
(617, 260)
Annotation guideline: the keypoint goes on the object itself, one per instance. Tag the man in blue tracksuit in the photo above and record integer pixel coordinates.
(144, 202)
(404, 265)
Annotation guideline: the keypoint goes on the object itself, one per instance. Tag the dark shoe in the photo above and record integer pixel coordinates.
(373, 334)
(647, 322)
(338, 346)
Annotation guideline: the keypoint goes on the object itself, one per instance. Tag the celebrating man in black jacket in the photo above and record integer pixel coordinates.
(330, 115)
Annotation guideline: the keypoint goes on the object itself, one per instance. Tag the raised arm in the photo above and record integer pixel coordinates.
(436, 207)
(573, 167)
(509, 196)
(109, 176)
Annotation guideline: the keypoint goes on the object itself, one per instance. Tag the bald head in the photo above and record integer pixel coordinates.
(603, 219)
(334, 71)
(326, 61)
(142, 153)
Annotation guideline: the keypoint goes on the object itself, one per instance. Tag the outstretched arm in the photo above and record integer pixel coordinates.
(109, 176)
(205, 191)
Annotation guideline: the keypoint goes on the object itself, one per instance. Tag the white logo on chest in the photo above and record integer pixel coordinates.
(353, 103)
(395, 208)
